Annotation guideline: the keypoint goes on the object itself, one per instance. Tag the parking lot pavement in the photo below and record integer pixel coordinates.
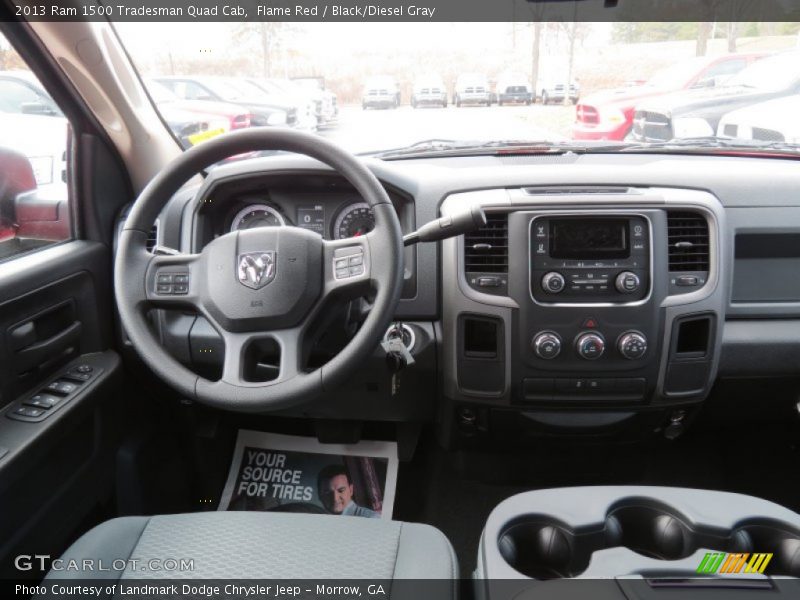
(364, 130)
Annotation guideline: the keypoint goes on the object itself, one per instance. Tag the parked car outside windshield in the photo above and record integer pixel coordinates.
(362, 87)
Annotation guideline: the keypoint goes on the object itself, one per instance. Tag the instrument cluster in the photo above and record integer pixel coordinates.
(344, 218)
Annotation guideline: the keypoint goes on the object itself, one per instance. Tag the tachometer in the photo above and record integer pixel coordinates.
(257, 215)
(354, 220)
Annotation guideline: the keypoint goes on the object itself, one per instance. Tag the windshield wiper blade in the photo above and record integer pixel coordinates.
(436, 148)
(704, 143)
(430, 145)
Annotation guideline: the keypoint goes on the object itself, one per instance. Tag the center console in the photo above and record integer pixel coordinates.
(581, 310)
(638, 542)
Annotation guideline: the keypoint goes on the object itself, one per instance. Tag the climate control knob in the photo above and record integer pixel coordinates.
(627, 282)
(553, 282)
(546, 345)
(632, 345)
(590, 346)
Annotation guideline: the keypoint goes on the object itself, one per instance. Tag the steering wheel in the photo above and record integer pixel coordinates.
(259, 284)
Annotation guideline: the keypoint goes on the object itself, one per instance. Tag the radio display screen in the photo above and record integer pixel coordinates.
(588, 239)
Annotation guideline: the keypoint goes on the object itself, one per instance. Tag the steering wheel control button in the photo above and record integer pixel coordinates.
(547, 345)
(627, 282)
(348, 262)
(172, 284)
(46, 401)
(590, 346)
(553, 282)
(632, 345)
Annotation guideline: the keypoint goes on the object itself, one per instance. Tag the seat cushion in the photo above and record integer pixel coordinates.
(261, 545)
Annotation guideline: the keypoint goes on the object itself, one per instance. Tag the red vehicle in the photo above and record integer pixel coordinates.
(608, 115)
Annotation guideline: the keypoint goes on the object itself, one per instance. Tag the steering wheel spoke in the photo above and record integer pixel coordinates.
(172, 281)
(347, 266)
(238, 345)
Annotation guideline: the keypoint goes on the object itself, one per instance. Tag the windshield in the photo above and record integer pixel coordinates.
(394, 85)
(773, 74)
(159, 93)
(678, 75)
(228, 89)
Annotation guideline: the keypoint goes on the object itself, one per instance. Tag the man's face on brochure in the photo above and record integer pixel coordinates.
(339, 493)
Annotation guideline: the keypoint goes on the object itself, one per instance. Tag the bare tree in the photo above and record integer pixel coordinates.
(267, 37)
(575, 32)
(535, 52)
(733, 32)
(703, 33)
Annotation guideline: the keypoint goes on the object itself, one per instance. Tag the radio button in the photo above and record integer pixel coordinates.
(553, 282)
(627, 282)
(590, 346)
(547, 345)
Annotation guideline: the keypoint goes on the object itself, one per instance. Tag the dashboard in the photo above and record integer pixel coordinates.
(606, 294)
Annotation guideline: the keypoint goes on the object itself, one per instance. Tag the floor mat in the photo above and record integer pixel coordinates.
(282, 473)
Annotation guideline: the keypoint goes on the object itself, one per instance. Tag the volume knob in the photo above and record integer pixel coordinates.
(553, 282)
(627, 282)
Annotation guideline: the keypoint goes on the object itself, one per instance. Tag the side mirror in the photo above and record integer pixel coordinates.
(705, 83)
(16, 178)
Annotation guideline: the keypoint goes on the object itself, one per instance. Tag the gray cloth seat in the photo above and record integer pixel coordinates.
(261, 545)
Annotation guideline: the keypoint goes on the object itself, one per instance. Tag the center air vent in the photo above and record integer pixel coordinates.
(486, 249)
(688, 241)
(572, 191)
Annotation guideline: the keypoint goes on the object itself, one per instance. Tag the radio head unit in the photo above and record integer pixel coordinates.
(589, 259)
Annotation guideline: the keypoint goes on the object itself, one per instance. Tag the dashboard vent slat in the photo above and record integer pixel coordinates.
(552, 191)
(688, 241)
(486, 249)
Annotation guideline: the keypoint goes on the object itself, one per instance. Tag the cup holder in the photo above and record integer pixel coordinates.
(651, 531)
(542, 548)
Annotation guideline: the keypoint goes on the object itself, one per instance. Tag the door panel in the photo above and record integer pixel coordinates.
(56, 470)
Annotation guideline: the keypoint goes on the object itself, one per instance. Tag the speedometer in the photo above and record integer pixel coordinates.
(257, 215)
(354, 220)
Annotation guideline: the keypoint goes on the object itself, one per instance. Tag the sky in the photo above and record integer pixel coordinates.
(187, 40)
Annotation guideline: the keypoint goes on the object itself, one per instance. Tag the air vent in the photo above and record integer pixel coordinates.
(152, 238)
(553, 191)
(688, 241)
(486, 249)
